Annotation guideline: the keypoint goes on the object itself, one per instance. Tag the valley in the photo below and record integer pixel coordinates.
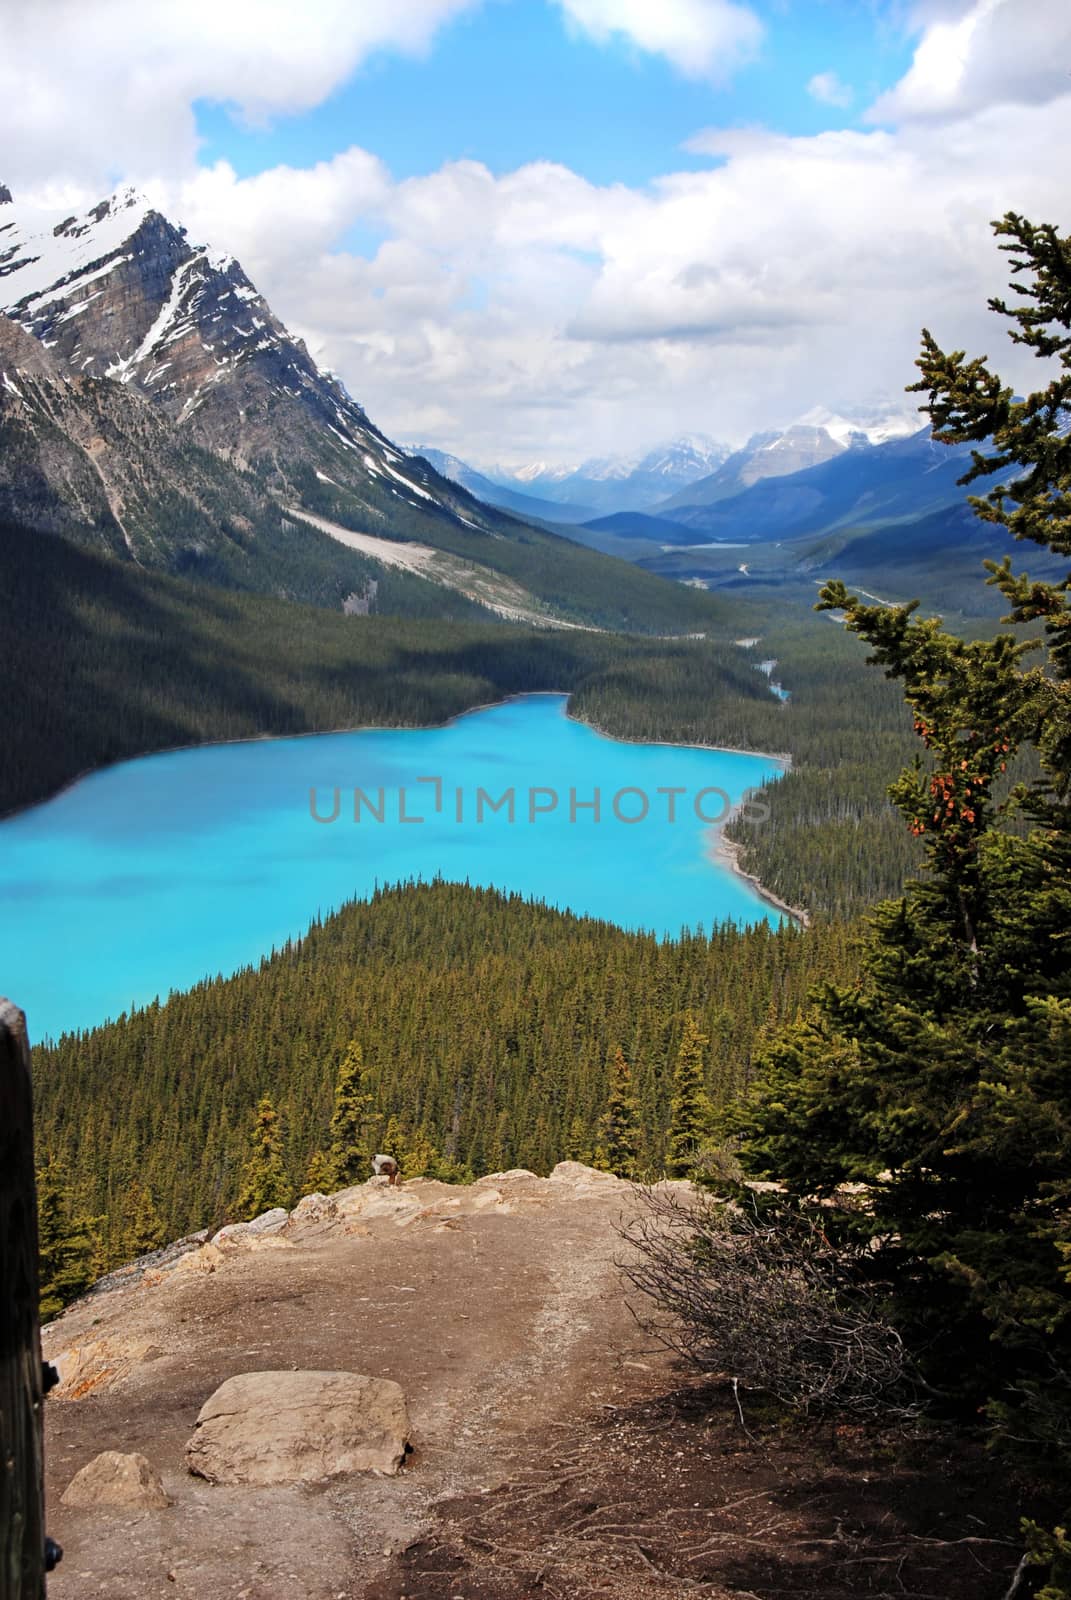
(628, 819)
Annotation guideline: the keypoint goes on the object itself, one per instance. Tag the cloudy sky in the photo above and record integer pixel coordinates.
(546, 229)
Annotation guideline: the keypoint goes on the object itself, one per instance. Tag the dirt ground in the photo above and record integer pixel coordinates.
(556, 1452)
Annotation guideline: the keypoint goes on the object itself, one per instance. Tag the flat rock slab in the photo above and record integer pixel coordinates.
(115, 1479)
(299, 1427)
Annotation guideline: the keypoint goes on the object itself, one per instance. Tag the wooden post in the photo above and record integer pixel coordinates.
(22, 1526)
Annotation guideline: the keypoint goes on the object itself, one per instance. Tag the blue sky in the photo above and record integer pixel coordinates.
(514, 82)
(550, 229)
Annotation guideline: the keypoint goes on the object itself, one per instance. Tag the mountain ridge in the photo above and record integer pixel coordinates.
(172, 420)
(898, 479)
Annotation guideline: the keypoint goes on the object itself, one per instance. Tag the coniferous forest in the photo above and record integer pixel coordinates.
(920, 1052)
(364, 369)
(487, 1027)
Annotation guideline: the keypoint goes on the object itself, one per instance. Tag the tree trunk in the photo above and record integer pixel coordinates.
(22, 1532)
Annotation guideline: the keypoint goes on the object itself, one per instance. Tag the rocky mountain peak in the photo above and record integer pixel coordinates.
(119, 293)
(5, 195)
(136, 343)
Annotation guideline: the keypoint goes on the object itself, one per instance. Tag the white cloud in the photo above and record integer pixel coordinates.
(117, 79)
(979, 53)
(701, 38)
(534, 313)
(829, 90)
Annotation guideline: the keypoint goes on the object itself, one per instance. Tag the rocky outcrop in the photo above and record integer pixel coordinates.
(299, 1427)
(89, 1362)
(267, 1223)
(93, 460)
(116, 1480)
(21, 352)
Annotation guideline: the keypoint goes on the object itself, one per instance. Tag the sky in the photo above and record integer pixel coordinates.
(527, 230)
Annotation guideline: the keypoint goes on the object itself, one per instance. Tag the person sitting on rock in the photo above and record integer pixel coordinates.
(387, 1167)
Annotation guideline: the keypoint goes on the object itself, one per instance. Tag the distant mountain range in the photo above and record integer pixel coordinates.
(817, 437)
(860, 486)
(627, 482)
(892, 516)
(153, 405)
(529, 506)
(674, 479)
(599, 487)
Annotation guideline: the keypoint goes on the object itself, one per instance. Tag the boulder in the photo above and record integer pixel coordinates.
(313, 1208)
(114, 1479)
(230, 1234)
(578, 1176)
(269, 1221)
(83, 1368)
(299, 1427)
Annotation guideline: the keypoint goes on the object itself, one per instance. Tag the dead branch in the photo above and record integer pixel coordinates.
(768, 1302)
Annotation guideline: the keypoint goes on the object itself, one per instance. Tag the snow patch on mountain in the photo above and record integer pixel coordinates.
(42, 261)
(871, 424)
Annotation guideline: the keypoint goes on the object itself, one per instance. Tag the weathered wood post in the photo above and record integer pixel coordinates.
(22, 1529)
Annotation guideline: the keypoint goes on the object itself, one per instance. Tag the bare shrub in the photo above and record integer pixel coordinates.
(758, 1294)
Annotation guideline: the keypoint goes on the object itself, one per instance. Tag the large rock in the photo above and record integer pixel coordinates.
(95, 1363)
(313, 1208)
(577, 1176)
(114, 1479)
(269, 1222)
(299, 1427)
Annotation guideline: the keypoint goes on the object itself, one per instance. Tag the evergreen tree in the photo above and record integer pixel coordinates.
(319, 1174)
(419, 1158)
(690, 1110)
(348, 1154)
(619, 1127)
(265, 1184)
(578, 1145)
(142, 1227)
(943, 1078)
(392, 1142)
(65, 1243)
(502, 1147)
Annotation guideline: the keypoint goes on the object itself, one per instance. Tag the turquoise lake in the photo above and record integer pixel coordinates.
(151, 875)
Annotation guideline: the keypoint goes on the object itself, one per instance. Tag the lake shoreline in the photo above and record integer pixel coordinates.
(384, 727)
(724, 852)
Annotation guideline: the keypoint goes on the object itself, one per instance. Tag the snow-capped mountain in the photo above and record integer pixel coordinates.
(896, 482)
(608, 484)
(151, 400)
(498, 494)
(536, 472)
(819, 435)
(876, 423)
(120, 293)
